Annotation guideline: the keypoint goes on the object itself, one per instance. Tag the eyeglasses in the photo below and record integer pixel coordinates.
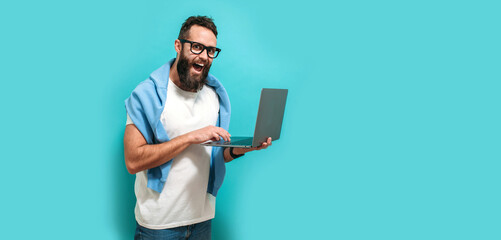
(198, 48)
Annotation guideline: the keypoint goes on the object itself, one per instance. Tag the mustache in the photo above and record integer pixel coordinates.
(204, 62)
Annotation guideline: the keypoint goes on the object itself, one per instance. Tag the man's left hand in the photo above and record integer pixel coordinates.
(240, 151)
(264, 145)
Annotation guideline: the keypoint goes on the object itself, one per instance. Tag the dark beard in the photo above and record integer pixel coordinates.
(191, 83)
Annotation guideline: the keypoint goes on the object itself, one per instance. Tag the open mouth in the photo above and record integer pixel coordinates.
(198, 67)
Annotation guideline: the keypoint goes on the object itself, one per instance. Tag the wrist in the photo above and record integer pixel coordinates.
(188, 138)
(239, 151)
(234, 153)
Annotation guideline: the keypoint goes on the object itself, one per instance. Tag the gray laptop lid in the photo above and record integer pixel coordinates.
(270, 115)
(268, 124)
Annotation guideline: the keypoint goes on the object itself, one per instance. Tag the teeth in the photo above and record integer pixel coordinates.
(201, 65)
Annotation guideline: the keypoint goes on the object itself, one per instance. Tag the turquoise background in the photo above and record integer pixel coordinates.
(391, 131)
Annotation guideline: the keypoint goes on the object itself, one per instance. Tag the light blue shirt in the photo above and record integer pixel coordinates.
(145, 105)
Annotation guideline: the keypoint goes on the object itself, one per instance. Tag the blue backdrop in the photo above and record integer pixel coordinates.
(391, 130)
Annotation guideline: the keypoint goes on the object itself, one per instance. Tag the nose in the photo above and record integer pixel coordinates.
(204, 54)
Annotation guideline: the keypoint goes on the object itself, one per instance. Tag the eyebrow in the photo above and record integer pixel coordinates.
(204, 44)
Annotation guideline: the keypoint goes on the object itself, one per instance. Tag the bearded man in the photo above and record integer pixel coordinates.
(168, 115)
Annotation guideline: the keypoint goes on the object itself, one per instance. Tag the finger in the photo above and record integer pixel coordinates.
(215, 136)
(266, 144)
(263, 146)
(223, 133)
(227, 136)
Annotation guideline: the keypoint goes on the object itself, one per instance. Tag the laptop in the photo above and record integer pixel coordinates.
(268, 123)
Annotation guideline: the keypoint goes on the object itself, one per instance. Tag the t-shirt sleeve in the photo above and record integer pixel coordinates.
(129, 121)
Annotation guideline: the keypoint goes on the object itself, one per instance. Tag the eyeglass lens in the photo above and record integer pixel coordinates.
(198, 48)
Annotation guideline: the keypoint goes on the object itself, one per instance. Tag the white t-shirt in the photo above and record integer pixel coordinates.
(184, 199)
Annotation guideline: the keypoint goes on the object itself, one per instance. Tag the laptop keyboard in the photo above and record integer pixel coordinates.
(238, 142)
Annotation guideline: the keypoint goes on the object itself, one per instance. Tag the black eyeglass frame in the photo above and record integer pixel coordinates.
(217, 50)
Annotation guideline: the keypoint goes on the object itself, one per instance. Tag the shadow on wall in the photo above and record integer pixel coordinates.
(220, 228)
(123, 197)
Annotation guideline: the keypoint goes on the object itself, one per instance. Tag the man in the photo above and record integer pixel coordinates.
(179, 106)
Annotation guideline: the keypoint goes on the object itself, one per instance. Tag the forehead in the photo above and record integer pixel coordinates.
(202, 35)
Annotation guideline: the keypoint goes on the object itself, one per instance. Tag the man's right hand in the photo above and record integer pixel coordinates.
(208, 133)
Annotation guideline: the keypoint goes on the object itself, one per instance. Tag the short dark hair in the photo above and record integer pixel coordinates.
(203, 21)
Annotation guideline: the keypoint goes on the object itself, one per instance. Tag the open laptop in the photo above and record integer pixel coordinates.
(268, 123)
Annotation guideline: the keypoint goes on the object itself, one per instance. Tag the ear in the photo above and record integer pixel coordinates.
(177, 46)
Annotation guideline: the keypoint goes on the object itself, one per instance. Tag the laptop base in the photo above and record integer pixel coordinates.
(238, 142)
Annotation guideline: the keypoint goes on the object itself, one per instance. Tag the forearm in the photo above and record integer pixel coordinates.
(149, 156)
(140, 156)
